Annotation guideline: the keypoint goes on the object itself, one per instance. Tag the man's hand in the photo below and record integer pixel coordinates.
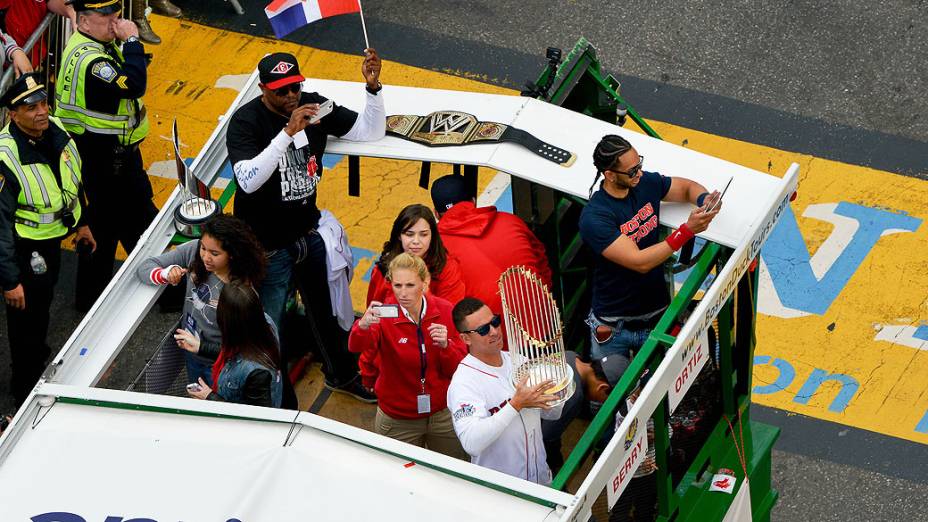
(370, 69)
(175, 274)
(699, 219)
(21, 63)
(124, 29)
(84, 235)
(439, 334)
(370, 316)
(15, 297)
(531, 396)
(299, 118)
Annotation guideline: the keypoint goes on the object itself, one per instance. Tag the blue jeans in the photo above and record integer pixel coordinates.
(197, 367)
(623, 342)
(311, 280)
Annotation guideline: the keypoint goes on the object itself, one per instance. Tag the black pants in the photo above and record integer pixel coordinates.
(28, 328)
(120, 211)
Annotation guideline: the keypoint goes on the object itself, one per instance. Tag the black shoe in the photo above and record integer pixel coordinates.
(354, 389)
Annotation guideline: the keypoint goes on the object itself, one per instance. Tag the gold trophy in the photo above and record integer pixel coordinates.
(535, 333)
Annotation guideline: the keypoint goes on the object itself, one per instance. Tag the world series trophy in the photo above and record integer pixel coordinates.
(535, 333)
(197, 206)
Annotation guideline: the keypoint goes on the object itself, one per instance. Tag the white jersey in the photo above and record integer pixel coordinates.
(494, 434)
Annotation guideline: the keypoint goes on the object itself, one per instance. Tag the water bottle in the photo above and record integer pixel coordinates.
(38, 264)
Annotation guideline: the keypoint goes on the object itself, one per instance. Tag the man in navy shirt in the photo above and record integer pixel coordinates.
(620, 225)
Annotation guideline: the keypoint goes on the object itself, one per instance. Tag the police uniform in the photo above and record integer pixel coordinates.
(98, 99)
(40, 203)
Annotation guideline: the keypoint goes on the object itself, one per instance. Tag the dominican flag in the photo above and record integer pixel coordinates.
(287, 16)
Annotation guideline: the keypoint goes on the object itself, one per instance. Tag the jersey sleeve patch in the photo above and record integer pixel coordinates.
(104, 71)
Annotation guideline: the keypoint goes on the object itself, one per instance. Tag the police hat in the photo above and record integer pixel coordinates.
(24, 91)
(100, 6)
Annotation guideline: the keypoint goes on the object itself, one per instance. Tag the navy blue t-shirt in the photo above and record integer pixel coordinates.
(619, 291)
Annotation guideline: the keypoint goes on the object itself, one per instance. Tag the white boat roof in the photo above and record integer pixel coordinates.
(103, 452)
(750, 193)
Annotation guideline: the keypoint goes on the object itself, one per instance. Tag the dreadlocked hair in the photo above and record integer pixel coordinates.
(610, 147)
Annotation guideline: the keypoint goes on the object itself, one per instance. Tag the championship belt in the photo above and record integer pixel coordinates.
(447, 128)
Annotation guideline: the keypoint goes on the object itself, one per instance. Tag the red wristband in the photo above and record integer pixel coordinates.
(679, 237)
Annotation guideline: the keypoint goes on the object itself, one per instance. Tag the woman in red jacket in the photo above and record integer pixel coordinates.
(415, 232)
(419, 349)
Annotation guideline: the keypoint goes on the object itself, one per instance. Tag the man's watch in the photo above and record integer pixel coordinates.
(374, 91)
(132, 39)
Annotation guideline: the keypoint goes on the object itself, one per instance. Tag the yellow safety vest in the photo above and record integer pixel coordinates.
(130, 123)
(41, 202)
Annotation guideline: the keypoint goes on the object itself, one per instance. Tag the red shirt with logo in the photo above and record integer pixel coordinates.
(396, 342)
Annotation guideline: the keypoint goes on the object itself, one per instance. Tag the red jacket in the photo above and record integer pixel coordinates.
(396, 343)
(447, 285)
(488, 242)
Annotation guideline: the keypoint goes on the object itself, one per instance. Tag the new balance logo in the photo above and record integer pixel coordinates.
(403, 340)
(444, 122)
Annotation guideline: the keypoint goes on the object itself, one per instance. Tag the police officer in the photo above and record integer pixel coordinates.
(98, 99)
(40, 203)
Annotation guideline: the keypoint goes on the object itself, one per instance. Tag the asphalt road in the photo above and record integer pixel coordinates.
(838, 80)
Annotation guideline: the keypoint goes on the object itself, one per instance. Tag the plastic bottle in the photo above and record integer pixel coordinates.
(38, 264)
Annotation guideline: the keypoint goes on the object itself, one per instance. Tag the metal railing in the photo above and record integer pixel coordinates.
(52, 35)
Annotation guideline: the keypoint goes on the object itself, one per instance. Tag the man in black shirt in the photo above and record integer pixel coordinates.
(275, 147)
(620, 225)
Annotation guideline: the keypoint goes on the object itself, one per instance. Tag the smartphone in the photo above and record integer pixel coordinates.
(390, 311)
(324, 109)
(722, 195)
(194, 387)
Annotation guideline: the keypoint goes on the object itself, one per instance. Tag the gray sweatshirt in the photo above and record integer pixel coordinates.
(201, 298)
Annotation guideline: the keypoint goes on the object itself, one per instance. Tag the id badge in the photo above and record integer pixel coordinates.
(424, 403)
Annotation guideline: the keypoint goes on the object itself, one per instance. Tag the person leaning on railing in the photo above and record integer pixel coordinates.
(98, 99)
(14, 55)
(620, 224)
(24, 18)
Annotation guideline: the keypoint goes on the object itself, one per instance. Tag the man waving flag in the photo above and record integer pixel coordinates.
(287, 16)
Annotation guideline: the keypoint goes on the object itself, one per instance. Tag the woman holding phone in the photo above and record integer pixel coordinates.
(248, 366)
(419, 349)
(227, 250)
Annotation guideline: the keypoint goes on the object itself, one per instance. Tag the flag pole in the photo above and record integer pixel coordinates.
(367, 44)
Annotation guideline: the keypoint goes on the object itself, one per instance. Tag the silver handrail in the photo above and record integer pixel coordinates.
(7, 78)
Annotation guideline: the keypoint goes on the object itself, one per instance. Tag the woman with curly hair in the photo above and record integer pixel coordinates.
(227, 250)
(415, 232)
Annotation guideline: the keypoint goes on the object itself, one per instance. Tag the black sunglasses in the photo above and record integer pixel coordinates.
(632, 172)
(289, 89)
(484, 330)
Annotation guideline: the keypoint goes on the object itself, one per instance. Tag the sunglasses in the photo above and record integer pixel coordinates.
(484, 330)
(632, 172)
(289, 89)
